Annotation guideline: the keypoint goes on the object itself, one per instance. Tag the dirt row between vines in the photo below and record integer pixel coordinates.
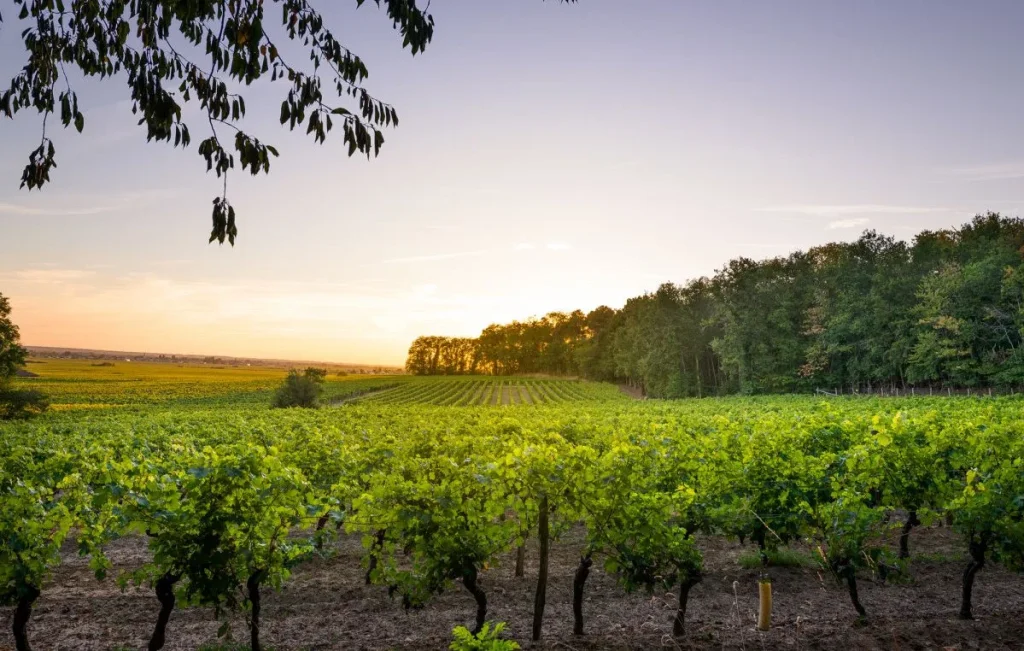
(325, 605)
(502, 395)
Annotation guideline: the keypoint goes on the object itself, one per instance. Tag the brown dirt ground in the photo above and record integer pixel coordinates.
(326, 606)
(633, 392)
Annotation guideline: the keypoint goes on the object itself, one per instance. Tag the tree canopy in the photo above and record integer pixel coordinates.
(172, 52)
(12, 354)
(946, 310)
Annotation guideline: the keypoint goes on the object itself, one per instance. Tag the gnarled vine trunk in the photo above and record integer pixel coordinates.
(578, 583)
(520, 560)
(977, 549)
(843, 569)
(679, 624)
(22, 613)
(469, 579)
(911, 522)
(320, 524)
(542, 574)
(165, 595)
(253, 587)
(851, 587)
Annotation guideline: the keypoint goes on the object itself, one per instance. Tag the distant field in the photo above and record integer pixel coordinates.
(88, 385)
(495, 391)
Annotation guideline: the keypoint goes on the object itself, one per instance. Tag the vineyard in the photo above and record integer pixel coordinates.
(471, 391)
(77, 385)
(583, 518)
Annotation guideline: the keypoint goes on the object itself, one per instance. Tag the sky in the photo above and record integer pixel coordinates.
(549, 157)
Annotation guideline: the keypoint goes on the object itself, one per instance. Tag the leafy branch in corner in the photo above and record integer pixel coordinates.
(174, 51)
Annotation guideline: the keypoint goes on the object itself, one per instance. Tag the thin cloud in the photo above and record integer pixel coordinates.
(989, 172)
(86, 204)
(826, 210)
(51, 276)
(525, 246)
(434, 258)
(558, 246)
(30, 211)
(445, 228)
(848, 223)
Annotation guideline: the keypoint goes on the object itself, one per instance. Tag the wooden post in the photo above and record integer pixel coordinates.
(764, 613)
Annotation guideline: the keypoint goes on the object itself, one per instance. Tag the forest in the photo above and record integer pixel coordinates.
(944, 311)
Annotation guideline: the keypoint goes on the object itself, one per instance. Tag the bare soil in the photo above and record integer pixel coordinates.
(524, 395)
(633, 392)
(325, 605)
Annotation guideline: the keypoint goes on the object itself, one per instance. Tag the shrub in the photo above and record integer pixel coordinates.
(486, 640)
(301, 389)
(19, 405)
(316, 374)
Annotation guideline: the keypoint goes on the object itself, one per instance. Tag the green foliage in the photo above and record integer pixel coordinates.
(15, 404)
(551, 344)
(46, 493)
(219, 518)
(219, 47)
(301, 389)
(12, 355)
(442, 356)
(849, 533)
(944, 311)
(316, 374)
(486, 640)
(989, 507)
(21, 404)
(232, 499)
(778, 557)
(440, 508)
(37, 515)
(637, 518)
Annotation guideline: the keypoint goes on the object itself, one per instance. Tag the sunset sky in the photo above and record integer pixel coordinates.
(550, 157)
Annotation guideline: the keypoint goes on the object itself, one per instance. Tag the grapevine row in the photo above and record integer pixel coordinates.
(230, 502)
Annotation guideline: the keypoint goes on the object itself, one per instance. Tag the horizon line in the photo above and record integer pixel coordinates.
(29, 347)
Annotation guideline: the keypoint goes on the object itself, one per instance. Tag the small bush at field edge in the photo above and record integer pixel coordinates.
(21, 404)
(301, 389)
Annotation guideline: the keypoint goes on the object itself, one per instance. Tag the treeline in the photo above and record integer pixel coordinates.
(945, 310)
(547, 345)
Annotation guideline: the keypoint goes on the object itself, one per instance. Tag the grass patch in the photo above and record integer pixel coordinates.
(781, 557)
(939, 557)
